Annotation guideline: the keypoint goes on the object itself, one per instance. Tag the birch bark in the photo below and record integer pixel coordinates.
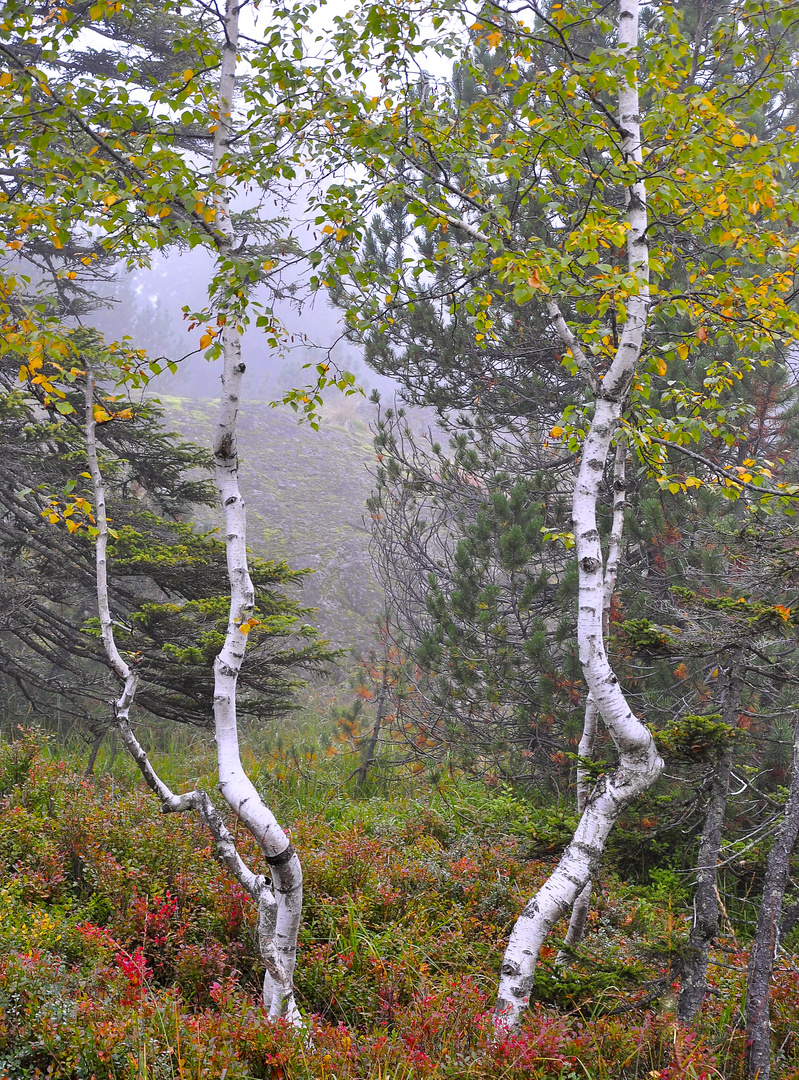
(585, 749)
(279, 904)
(272, 918)
(639, 763)
(279, 921)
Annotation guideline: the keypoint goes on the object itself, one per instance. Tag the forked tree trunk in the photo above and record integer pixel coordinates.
(767, 932)
(639, 763)
(705, 924)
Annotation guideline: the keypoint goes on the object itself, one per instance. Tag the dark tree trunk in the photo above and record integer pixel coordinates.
(114, 743)
(706, 900)
(767, 932)
(93, 755)
(706, 896)
(370, 749)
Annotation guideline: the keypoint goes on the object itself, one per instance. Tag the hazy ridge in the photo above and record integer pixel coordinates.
(306, 497)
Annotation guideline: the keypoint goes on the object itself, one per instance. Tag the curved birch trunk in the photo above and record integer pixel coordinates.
(279, 903)
(279, 916)
(582, 905)
(585, 749)
(639, 763)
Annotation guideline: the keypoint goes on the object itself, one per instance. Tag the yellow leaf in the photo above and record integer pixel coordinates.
(682, 351)
(556, 431)
(693, 481)
(53, 519)
(494, 39)
(124, 414)
(739, 139)
(5, 79)
(100, 415)
(205, 341)
(73, 526)
(660, 365)
(341, 233)
(535, 280)
(188, 74)
(783, 612)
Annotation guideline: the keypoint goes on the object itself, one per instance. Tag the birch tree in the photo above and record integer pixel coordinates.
(643, 234)
(122, 175)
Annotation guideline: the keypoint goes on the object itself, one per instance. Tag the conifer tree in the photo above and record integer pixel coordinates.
(167, 581)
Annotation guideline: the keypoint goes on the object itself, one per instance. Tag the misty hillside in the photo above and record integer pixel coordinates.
(306, 497)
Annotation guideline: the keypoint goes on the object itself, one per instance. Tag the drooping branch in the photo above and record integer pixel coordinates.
(122, 670)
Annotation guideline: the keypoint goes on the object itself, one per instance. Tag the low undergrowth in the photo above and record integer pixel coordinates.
(126, 952)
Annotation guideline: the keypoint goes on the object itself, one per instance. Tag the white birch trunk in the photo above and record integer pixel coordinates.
(122, 670)
(279, 916)
(279, 961)
(639, 763)
(585, 749)
(279, 905)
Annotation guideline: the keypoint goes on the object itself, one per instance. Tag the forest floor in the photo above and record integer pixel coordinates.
(126, 952)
